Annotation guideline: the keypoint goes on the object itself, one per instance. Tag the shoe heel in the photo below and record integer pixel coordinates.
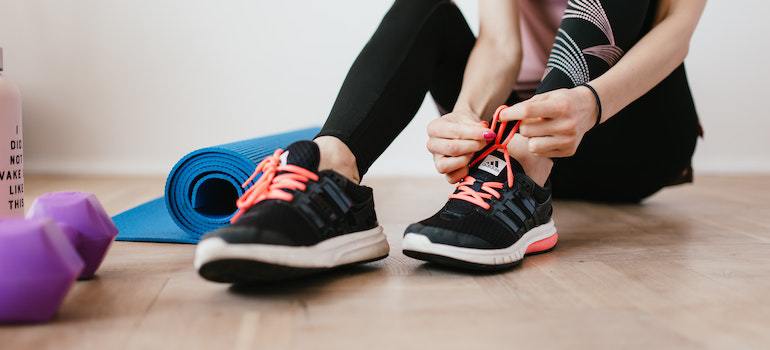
(543, 245)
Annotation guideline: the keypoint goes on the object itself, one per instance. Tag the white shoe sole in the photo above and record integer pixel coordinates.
(342, 250)
(427, 250)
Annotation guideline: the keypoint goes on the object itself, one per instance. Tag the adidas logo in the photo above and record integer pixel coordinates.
(492, 165)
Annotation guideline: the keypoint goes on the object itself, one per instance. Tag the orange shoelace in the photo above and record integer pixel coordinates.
(488, 189)
(272, 186)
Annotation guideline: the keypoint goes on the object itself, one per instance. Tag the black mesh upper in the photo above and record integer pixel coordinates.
(475, 223)
(329, 207)
(461, 223)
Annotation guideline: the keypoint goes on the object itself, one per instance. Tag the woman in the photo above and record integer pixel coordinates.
(600, 110)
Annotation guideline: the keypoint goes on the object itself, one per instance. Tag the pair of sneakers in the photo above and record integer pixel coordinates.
(296, 220)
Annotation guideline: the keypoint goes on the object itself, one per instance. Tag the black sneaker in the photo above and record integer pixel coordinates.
(293, 221)
(496, 216)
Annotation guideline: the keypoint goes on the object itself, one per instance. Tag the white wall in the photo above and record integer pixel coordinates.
(130, 86)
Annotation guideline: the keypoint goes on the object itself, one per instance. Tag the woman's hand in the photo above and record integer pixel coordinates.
(555, 122)
(453, 139)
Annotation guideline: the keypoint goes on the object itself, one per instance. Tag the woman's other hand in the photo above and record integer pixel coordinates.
(555, 122)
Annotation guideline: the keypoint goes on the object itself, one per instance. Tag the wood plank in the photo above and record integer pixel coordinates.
(690, 268)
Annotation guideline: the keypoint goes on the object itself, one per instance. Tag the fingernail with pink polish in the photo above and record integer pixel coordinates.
(489, 135)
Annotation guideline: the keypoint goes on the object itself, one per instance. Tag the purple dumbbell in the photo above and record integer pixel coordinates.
(37, 268)
(83, 220)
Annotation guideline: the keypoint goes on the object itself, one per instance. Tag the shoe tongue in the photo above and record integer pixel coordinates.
(493, 168)
(302, 153)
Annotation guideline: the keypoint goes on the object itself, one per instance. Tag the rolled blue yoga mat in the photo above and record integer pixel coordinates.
(201, 191)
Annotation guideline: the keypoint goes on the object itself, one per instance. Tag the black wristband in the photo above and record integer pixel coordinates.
(598, 102)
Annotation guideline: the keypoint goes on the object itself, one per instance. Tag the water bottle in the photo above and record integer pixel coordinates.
(11, 146)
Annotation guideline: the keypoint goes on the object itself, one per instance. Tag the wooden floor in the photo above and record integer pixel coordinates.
(689, 269)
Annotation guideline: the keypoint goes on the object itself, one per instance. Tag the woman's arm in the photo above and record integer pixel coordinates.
(652, 59)
(556, 121)
(489, 78)
(494, 63)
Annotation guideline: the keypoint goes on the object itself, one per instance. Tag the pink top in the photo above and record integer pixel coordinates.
(539, 21)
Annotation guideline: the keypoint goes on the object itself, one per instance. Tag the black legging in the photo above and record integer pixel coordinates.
(423, 45)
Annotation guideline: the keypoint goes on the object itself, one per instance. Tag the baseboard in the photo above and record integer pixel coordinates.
(415, 168)
(95, 168)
